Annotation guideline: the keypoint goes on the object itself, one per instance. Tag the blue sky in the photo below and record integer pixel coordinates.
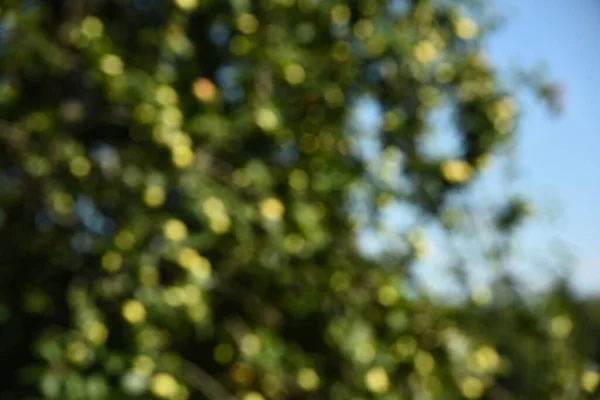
(560, 158)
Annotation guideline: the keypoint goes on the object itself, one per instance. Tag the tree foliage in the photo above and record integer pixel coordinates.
(181, 188)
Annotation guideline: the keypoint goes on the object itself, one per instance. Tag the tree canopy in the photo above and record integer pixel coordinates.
(182, 184)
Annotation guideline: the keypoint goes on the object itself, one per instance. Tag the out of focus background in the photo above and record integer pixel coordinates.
(299, 199)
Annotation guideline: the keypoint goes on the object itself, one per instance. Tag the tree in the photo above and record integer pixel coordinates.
(181, 186)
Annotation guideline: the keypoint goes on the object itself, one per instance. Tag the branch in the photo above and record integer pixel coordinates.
(14, 136)
(221, 171)
(200, 380)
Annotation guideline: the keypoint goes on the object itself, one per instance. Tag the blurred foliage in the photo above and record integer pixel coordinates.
(182, 185)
